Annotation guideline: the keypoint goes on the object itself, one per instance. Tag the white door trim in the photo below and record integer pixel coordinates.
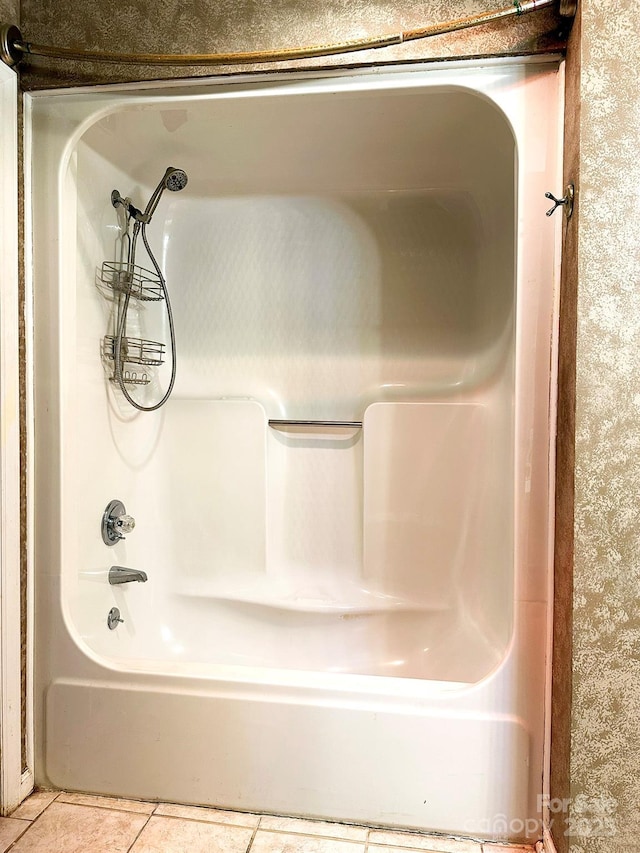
(12, 786)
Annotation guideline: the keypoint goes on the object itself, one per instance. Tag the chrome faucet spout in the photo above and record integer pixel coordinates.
(120, 574)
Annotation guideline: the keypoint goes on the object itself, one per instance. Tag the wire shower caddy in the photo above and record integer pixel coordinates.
(143, 285)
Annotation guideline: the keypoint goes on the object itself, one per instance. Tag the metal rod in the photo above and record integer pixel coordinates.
(14, 44)
(338, 424)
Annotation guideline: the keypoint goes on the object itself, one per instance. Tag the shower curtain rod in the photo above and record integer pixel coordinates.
(13, 49)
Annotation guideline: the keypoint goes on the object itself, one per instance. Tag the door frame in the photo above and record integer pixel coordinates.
(14, 783)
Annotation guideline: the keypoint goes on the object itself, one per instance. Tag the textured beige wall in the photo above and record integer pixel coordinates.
(9, 11)
(173, 26)
(560, 781)
(605, 754)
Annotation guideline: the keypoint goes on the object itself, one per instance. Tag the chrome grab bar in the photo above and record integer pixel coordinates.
(337, 424)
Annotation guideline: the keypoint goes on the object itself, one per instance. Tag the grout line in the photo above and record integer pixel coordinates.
(30, 822)
(391, 843)
(255, 832)
(32, 819)
(375, 845)
(15, 840)
(424, 835)
(334, 822)
(196, 819)
(130, 847)
(366, 841)
(106, 808)
(241, 826)
(321, 835)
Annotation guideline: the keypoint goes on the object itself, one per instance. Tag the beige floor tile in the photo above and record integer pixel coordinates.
(35, 805)
(11, 829)
(488, 847)
(431, 846)
(279, 842)
(68, 828)
(175, 835)
(431, 843)
(314, 827)
(208, 815)
(107, 803)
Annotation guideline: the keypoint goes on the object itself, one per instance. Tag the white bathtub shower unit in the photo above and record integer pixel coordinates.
(340, 621)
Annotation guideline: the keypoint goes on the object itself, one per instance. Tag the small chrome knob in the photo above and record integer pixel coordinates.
(113, 618)
(115, 523)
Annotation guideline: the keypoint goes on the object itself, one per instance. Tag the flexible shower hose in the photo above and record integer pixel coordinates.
(122, 325)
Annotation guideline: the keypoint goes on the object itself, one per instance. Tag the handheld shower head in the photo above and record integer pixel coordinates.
(175, 179)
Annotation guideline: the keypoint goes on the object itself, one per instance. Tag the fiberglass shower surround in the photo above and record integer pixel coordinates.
(342, 510)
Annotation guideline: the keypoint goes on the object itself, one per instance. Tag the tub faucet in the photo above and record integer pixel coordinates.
(119, 574)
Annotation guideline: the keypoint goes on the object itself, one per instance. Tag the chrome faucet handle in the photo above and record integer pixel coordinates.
(124, 524)
(115, 523)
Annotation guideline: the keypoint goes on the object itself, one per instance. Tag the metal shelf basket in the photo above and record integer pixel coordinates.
(130, 278)
(132, 377)
(134, 351)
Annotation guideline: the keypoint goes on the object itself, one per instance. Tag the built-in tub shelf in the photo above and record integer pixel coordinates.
(263, 591)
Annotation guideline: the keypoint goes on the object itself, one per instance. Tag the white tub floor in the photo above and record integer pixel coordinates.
(57, 822)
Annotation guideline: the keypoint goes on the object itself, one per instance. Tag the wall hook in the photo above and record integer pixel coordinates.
(566, 201)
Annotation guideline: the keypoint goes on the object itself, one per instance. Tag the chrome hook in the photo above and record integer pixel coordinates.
(566, 201)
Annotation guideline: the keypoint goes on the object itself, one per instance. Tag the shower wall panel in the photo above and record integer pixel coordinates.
(328, 272)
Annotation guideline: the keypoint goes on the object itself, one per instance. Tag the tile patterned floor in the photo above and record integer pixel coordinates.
(57, 822)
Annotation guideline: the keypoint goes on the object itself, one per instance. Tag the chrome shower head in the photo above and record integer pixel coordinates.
(175, 179)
